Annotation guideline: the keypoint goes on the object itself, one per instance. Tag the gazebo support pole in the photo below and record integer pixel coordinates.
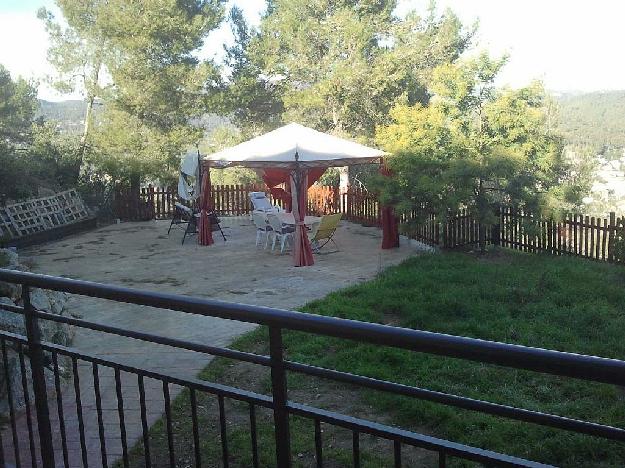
(390, 228)
(302, 252)
(205, 235)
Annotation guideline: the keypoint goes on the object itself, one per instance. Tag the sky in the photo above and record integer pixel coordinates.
(571, 45)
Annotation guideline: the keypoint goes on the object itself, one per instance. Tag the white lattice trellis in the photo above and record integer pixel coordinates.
(40, 214)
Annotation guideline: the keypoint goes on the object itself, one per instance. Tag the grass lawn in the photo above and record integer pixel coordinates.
(565, 304)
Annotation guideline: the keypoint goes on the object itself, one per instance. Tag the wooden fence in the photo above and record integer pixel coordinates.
(228, 200)
(589, 237)
(579, 235)
(323, 199)
(158, 202)
(361, 207)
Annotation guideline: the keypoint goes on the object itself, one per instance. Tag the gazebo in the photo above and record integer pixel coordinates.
(294, 156)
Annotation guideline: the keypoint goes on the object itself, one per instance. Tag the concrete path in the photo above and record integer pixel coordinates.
(141, 255)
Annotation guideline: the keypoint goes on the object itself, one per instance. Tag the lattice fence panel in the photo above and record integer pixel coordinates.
(40, 214)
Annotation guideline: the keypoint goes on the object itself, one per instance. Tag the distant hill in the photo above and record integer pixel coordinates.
(596, 119)
(69, 114)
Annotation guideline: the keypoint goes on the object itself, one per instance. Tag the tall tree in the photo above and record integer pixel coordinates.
(339, 65)
(18, 101)
(18, 104)
(77, 53)
(252, 98)
(476, 146)
(156, 74)
(32, 153)
(155, 83)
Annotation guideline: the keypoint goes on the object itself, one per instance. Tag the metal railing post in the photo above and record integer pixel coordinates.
(279, 393)
(39, 381)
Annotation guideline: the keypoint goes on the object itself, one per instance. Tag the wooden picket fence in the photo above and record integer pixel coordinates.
(361, 206)
(229, 200)
(456, 230)
(579, 235)
(127, 206)
(158, 202)
(323, 199)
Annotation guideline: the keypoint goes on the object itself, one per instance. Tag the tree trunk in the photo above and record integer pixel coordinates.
(135, 196)
(91, 95)
(482, 237)
(496, 228)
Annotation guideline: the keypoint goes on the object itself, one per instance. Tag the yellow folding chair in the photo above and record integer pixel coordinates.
(323, 232)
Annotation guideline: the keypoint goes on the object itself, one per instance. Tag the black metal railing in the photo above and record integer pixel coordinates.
(43, 445)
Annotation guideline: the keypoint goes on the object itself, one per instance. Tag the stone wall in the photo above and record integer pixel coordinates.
(47, 301)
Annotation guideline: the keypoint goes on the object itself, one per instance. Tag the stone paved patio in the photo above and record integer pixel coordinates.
(143, 256)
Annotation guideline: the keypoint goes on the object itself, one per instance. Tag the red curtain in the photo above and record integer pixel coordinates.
(275, 177)
(390, 222)
(302, 252)
(205, 234)
(278, 193)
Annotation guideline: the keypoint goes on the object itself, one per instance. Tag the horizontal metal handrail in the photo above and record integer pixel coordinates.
(341, 420)
(521, 357)
(520, 414)
(496, 409)
(158, 339)
(196, 384)
(12, 308)
(486, 457)
(599, 369)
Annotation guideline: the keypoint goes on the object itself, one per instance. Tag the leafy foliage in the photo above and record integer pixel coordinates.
(475, 146)
(337, 65)
(33, 154)
(219, 138)
(18, 104)
(252, 99)
(138, 57)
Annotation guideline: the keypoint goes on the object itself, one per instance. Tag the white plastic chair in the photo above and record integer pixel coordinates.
(260, 202)
(262, 228)
(280, 231)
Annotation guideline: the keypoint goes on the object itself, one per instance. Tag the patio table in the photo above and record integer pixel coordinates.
(288, 218)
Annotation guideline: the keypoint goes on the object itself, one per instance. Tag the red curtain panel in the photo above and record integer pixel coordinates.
(302, 252)
(205, 234)
(275, 177)
(390, 222)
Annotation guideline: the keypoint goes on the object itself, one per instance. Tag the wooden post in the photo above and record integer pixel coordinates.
(496, 228)
(612, 237)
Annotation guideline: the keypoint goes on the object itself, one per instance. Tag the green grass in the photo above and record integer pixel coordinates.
(558, 303)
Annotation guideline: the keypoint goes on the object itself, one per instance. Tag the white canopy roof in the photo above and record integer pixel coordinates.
(279, 147)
